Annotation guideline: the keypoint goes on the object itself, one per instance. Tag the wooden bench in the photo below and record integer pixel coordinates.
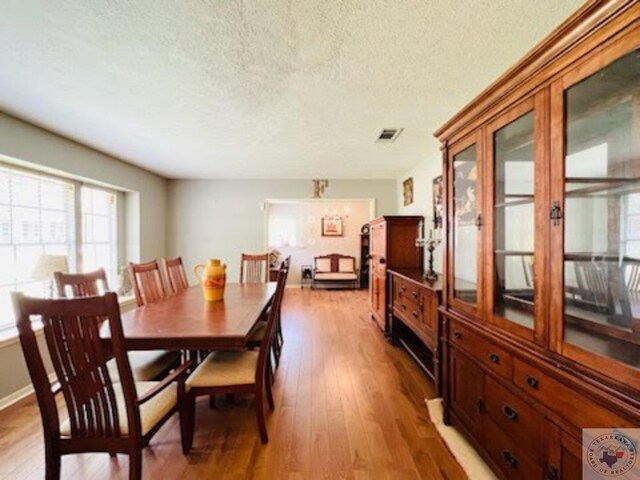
(335, 271)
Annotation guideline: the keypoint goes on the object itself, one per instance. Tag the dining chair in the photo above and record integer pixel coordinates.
(104, 416)
(255, 339)
(73, 285)
(145, 364)
(254, 268)
(146, 282)
(175, 275)
(235, 372)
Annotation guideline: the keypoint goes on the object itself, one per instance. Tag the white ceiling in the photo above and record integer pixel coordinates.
(257, 89)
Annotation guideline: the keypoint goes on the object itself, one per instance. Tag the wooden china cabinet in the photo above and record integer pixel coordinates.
(541, 333)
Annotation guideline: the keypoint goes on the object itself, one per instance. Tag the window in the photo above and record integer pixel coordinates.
(99, 231)
(283, 231)
(43, 214)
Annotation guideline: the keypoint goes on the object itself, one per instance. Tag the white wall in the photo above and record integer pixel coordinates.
(145, 216)
(309, 242)
(423, 174)
(224, 218)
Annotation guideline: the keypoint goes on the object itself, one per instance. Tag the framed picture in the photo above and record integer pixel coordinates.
(332, 227)
(438, 202)
(407, 191)
(464, 200)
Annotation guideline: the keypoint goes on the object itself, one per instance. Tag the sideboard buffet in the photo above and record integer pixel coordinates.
(541, 300)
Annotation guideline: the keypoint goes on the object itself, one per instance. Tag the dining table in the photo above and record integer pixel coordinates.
(186, 321)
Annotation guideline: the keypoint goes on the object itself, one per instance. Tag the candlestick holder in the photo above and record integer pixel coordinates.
(430, 244)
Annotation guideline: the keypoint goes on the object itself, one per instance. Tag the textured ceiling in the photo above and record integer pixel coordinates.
(255, 89)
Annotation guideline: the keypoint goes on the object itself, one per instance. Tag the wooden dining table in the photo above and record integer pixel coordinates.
(186, 321)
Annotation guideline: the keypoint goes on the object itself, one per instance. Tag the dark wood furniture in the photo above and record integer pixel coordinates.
(415, 319)
(185, 321)
(542, 174)
(175, 275)
(74, 285)
(334, 271)
(364, 258)
(238, 372)
(145, 365)
(146, 282)
(254, 268)
(103, 416)
(392, 246)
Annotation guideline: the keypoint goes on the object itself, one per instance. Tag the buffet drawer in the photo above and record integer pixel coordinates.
(511, 457)
(491, 356)
(563, 399)
(406, 292)
(515, 417)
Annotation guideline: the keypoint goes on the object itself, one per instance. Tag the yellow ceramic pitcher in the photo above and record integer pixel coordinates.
(212, 280)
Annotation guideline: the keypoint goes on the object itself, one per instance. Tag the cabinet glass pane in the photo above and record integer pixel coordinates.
(514, 220)
(464, 229)
(602, 212)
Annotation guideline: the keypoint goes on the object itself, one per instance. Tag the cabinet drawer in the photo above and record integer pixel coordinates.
(407, 291)
(510, 456)
(515, 417)
(490, 355)
(570, 404)
(410, 314)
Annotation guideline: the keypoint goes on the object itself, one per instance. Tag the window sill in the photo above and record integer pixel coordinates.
(9, 336)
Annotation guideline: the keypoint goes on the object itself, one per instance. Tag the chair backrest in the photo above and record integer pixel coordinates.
(254, 268)
(174, 273)
(335, 262)
(79, 357)
(633, 277)
(146, 282)
(267, 339)
(74, 285)
(286, 263)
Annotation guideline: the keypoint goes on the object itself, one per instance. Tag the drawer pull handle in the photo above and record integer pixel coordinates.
(509, 412)
(552, 473)
(532, 382)
(457, 335)
(404, 307)
(509, 458)
(415, 314)
(414, 294)
(403, 288)
(494, 358)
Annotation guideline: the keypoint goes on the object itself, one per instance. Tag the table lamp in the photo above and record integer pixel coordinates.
(46, 266)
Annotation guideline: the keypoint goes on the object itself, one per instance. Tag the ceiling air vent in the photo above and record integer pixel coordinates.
(389, 135)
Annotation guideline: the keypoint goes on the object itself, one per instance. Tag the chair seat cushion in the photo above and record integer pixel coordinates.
(336, 276)
(224, 368)
(258, 332)
(151, 412)
(146, 365)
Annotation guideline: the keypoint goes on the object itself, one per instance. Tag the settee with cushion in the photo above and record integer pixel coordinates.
(335, 271)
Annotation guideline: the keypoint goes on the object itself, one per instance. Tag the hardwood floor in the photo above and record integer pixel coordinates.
(348, 406)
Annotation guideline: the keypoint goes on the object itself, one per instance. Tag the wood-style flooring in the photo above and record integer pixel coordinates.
(348, 406)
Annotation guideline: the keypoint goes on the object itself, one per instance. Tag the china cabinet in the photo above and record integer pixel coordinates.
(541, 329)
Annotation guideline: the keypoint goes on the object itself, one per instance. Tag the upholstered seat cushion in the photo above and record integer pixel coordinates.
(336, 276)
(151, 412)
(223, 368)
(146, 365)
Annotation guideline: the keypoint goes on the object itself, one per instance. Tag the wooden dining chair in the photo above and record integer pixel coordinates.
(104, 416)
(145, 364)
(74, 285)
(175, 275)
(235, 372)
(254, 268)
(146, 282)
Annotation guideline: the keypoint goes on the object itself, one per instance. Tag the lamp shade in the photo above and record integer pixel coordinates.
(47, 265)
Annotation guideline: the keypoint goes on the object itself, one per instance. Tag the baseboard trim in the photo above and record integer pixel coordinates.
(20, 394)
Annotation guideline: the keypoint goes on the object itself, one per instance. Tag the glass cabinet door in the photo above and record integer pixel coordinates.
(511, 155)
(601, 236)
(465, 175)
